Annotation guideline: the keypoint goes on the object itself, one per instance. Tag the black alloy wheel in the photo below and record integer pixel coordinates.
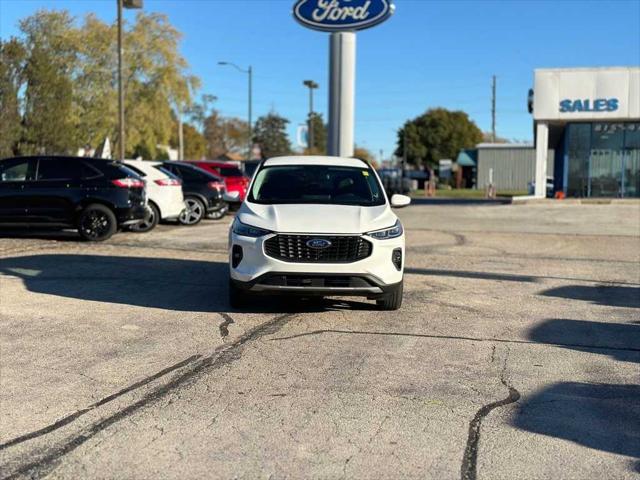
(97, 223)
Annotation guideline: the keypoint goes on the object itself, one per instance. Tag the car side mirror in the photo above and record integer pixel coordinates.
(399, 201)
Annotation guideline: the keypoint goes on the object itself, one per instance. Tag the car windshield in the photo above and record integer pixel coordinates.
(323, 184)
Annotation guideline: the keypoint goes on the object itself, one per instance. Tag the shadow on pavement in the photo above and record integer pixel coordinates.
(600, 416)
(166, 283)
(475, 275)
(170, 284)
(597, 415)
(618, 340)
(609, 295)
(41, 234)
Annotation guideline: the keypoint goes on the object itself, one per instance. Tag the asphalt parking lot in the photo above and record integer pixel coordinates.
(515, 355)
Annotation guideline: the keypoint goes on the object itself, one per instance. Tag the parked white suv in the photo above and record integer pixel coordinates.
(164, 193)
(317, 226)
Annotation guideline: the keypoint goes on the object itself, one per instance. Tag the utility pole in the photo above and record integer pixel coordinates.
(121, 141)
(311, 85)
(493, 110)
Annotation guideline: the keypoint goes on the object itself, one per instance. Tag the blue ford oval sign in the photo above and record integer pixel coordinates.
(339, 15)
(318, 243)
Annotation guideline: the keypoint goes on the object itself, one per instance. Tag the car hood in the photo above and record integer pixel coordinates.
(306, 218)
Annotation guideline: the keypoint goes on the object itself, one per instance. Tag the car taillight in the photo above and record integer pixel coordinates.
(168, 182)
(216, 186)
(128, 182)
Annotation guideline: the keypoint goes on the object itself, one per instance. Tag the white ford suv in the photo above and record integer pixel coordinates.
(317, 226)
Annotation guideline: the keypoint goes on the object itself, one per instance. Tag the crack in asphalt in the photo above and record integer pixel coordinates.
(224, 326)
(77, 414)
(453, 337)
(220, 357)
(469, 471)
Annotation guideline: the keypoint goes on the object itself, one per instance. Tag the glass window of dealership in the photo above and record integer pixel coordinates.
(590, 120)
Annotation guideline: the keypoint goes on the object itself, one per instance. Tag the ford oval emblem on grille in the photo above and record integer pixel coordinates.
(318, 243)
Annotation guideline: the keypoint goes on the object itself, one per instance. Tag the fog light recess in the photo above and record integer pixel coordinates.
(396, 258)
(236, 256)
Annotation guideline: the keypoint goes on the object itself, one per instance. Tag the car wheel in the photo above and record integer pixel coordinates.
(149, 222)
(238, 298)
(194, 212)
(392, 300)
(218, 214)
(97, 223)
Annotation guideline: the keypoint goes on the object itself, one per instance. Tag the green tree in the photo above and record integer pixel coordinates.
(95, 87)
(319, 146)
(366, 155)
(195, 144)
(437, 134)
(271, 134)
(236, 134)
(200, 111)
(12, 56)
(156, 79)
(225, 135)
(69, 97)
(49, 120)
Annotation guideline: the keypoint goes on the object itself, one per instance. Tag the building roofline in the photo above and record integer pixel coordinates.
(504, 145)
(585, 69)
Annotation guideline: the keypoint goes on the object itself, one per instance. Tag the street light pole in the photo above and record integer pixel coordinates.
(122, 4)
(249, 72)
(311, 85)
(120, 89)
(250, 141)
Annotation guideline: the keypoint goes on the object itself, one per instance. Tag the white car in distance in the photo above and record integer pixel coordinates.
(164, 193)
(318, 226)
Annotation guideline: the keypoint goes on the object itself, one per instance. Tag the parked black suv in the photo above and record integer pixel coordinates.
(95, 196)
(203, 192)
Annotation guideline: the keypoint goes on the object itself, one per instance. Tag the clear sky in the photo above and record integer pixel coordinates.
(430, 53)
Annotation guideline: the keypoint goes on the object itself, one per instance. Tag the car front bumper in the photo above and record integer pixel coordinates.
(260, 273)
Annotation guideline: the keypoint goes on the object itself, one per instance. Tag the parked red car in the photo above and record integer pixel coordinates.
(234, 179)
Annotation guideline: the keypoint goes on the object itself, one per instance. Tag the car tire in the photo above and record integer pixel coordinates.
(97, 223)
(391, 300)
(218, 214)
(150, 222)
(238, 298)
(194, 213)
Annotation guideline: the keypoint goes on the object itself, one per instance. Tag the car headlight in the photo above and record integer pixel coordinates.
(388, 233)
(245, 230)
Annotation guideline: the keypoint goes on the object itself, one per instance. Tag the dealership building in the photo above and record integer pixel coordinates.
(589, 120)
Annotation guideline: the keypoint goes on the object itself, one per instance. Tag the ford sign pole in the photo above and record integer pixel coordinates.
(342, 18)
(342, 76)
